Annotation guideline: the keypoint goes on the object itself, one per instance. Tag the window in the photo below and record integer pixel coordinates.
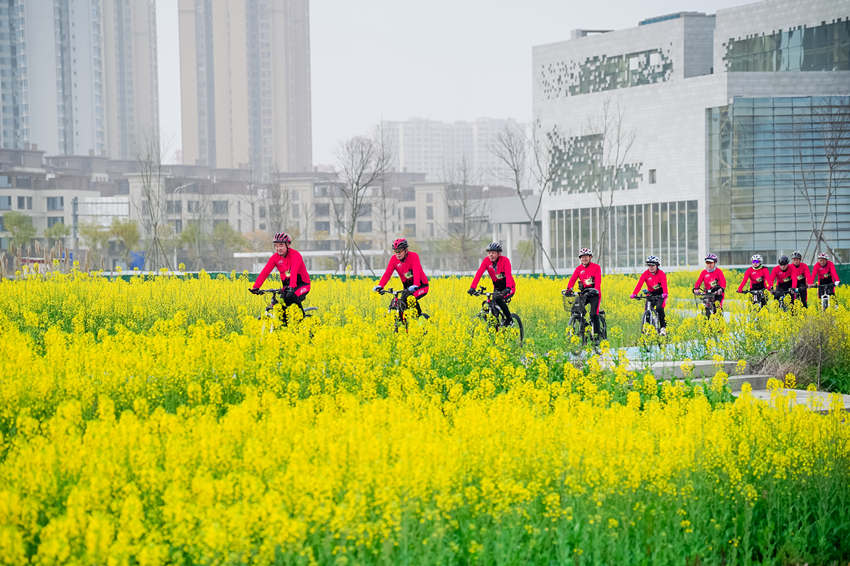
(2, 227)
(323, 226)
(5, 203)
(24, 203)
(178, 226)
(455, 211)
(219, 207)
(322, 209)
(218, 222)
(408, 194)
(365, 209)
(296, 210)
(4, 181)
(173, 207)
(652, 176)
(193, 206)
(409, 212)
(429, 213)
(52, 220)
(262, 212)
(429, 197)
(410, 230)
(23, 182)
(55, 203)
(364, 226)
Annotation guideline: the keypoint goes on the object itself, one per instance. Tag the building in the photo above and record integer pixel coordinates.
(245, 84)
(441, 149)
(79, 76)
(709, 110)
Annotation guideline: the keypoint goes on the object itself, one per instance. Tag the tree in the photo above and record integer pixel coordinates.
(20, 226)
(611, 171)
(531, 172)
(56, 233)
(467, 216)
(127, 233)
(96, 238)
(225, 240)
(152, 205)
(362, 162)
(821, 175)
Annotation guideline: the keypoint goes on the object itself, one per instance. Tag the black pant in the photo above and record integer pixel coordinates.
(803, 291)
(289, 297)
(404, 296)
(658, 306)
(593, 301)
(501, 300)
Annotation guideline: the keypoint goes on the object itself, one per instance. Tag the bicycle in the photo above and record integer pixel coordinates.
(269, 312)
(758, 297)
(826, 292)
(780, 294)
(650, 314)
(579, 321)
(709, 299)
(493, 316)
(397, 306)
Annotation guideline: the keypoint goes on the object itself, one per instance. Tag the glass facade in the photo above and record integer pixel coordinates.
(825, 47)
(579, 165)
(778, 169)
(605, 72)
(665, 229)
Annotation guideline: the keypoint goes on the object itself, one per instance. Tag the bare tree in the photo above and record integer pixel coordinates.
(831, 134)
(531, 172)
(362, 162)
(151, 208)
(466, 216)
(611, 171)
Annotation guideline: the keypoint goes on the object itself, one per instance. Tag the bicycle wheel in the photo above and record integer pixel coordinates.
(603, 326)
(517, 324)
(577, 325)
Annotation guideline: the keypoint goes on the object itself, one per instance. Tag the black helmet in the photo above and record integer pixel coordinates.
(796, 255)
(494, 247)
(783, 260)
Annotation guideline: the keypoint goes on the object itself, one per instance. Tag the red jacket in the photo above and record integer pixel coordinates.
(409, 270)
(590, 276)
(293, 272)
(824, 273)
(656, 283)
(500, 273)
(785, 278)
(802, 275)
(756, 277)
(712, 280)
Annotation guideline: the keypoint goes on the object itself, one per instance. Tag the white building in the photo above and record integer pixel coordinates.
(440, 149)
(685, 177)
(80, 76)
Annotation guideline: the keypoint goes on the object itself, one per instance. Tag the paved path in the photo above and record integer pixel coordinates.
(819, 401)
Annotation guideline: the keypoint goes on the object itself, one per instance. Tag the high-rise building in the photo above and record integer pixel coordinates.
(245, 81)
(441, 149)
(718, 138)
(79, 76)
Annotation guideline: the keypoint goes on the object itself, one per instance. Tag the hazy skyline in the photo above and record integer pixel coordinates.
(394, 60)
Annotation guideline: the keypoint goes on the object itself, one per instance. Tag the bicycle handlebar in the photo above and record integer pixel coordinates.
(585, 291)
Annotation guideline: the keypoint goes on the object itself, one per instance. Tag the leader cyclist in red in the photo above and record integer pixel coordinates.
(293, 272)
(409, 269)
(589, 276)
(498, 267)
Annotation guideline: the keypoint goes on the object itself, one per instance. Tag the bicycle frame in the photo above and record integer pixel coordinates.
(493, 315)
(826, 291)
(709, 299)
(758, 297)
(277, 295)
(579, 314)
(488, 306)
(650, 315)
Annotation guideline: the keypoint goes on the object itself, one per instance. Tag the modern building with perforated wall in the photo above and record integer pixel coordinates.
(691, 133)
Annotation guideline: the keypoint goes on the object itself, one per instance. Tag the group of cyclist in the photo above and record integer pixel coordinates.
(789, 277)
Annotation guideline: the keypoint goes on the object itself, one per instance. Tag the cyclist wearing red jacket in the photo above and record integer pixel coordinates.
(589, 276)
(406, 264)
(499, 268)
(656, 285)
(825, 276)
(802, 277)
(782, 278)
(757, 275)
(712, 279)
(293, 272)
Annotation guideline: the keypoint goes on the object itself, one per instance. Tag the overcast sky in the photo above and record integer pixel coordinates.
(440, 59)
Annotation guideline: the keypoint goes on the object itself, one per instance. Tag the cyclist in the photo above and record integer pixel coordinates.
(413, 279)
(782, 276)
(712, 279)
(824, 275)
(588, 275)
(499, 269)
(656, 284)
(293, 272)
(758, 277)
(802, 277)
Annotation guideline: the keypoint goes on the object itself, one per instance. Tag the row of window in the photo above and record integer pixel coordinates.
(25, 203)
